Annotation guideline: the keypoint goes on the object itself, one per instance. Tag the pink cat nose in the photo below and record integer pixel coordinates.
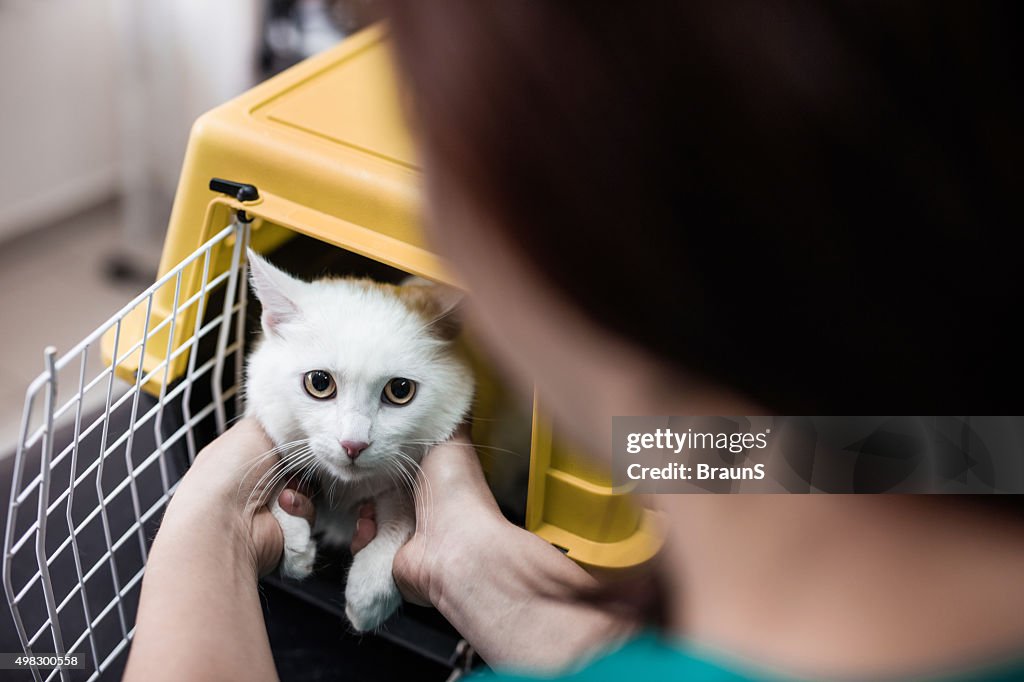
(352, 448)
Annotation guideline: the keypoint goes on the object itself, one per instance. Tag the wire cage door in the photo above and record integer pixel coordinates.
(99, 457)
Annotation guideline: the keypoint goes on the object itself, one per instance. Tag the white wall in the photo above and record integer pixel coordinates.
(97, 98)
(58, 111)
(177, 60)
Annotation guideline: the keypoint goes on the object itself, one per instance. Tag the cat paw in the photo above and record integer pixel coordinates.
(299, 546)
(370, 599)
(297, 562)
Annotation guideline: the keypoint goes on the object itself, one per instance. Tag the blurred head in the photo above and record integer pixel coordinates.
(794, 204)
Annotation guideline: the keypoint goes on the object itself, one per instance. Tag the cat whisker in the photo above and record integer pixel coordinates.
(285, 475)
(407, 478)
(312, 470)
(387, 469)
(403, 476)
(280, 471)
(284, 461)
(291, 467)
(261, 486)
(418, 483)
(259, 461)
(269, 453)
(330, 491)
(233, 420)
(409, 484)
(477, 446)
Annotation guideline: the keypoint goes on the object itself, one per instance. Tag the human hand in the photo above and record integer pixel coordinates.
(469, 562)
(226, 491)
(452, 526)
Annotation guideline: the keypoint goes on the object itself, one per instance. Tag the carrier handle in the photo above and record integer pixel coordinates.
(239, 190)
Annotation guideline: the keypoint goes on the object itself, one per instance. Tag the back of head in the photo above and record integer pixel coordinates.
(813, 204)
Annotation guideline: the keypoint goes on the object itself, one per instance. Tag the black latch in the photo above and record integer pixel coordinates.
(238, 190)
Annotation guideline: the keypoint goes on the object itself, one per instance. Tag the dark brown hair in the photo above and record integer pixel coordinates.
(816, 204)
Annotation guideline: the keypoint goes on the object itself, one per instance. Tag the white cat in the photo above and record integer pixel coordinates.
(352, 380)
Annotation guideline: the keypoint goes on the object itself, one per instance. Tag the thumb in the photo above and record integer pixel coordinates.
(297, 504)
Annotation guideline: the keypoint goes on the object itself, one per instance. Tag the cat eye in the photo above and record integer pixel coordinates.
(319, 384)
(399, 391)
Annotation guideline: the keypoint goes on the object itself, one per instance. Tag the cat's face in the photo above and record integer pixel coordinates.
(364, 374)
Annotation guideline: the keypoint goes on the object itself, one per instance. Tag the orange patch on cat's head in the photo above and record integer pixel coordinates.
(437, 304)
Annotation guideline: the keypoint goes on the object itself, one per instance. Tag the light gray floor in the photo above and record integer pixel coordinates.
(53, 291)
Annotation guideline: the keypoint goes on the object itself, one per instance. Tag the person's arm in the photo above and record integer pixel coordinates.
(512, 595)
(199, 612)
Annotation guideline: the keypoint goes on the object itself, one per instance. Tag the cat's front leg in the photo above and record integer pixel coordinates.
(371, 594)
(299, 545)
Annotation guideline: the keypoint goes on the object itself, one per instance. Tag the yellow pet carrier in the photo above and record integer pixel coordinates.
(315, 162)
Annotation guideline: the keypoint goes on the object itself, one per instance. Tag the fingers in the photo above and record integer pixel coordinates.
(267, 541)
(297, 504)
(366, 527)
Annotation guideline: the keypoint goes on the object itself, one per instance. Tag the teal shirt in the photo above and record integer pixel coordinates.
(649, 657)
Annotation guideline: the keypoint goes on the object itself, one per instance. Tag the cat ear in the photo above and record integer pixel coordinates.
(276, 291)
(438, 303)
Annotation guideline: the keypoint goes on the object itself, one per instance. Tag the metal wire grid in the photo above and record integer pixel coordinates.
(72, 583)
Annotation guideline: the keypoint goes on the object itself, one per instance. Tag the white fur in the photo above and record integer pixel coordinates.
(363, 336)
(299, 545)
